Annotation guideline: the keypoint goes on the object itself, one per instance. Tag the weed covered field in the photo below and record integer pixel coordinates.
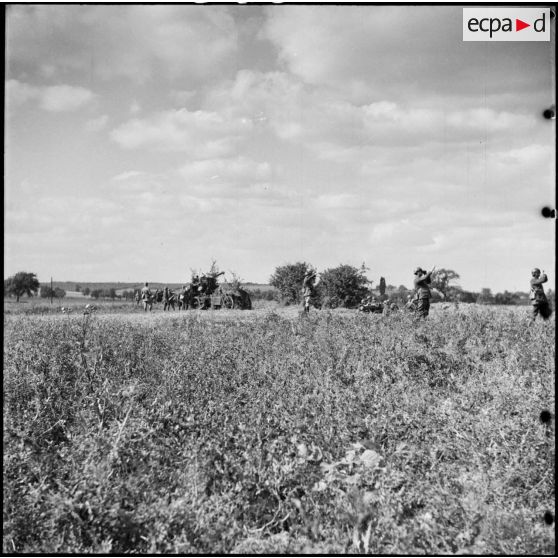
(267, 432)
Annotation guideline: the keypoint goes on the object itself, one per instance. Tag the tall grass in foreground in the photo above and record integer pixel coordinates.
(260, 434)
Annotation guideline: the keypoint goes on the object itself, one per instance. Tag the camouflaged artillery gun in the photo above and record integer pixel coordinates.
(213, 295)
(371, 305)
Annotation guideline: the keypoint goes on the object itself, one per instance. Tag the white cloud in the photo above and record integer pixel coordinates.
(202, 134)
(63, 98)
(338, 202)
(55, 98)
(240, 178)
(332, 127)
(135, 186)
(371, 52)
(235, 169)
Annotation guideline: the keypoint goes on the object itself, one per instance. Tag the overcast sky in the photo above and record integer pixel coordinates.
(144, 141)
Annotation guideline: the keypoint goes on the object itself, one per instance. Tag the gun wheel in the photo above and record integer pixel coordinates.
(228, 302)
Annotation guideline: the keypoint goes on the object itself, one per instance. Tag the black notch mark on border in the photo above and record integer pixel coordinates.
(548, 213)
(549, 113)
(546, 416)
(548, 517)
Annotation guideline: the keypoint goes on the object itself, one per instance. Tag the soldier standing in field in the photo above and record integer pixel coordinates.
(146, 297)
(537, 296)
(422, 288)
(182, 298)
(166, 298)
(308, 288)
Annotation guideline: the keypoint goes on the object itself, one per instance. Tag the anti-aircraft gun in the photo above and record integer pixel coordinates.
(213, 295)
(209, 283)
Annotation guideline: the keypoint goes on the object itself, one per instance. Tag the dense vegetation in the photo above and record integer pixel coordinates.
(57, 292)
(268, 432)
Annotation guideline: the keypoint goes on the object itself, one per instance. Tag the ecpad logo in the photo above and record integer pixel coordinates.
(494, 24)
(506, 24)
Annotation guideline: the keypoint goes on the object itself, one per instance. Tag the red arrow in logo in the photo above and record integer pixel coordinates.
(519, 25)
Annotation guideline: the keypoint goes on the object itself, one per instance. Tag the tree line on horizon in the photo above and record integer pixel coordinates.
(343, 286)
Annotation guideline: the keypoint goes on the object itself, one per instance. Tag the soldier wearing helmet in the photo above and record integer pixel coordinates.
(147, 298)
(537, 296)
(422, 288)
(308, 288)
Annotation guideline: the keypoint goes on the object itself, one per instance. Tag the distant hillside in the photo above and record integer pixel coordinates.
(71, 285)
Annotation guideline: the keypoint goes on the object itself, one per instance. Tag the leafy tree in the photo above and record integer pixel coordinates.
(77, 288)
(96, 293)
(287, 279)
(441, 279)
(57, 292)
(22, 283)
(343, 285)
(87, 291)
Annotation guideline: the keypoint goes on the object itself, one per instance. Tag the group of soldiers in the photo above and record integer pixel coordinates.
(420, 301)
(203, 286)
(167, 296)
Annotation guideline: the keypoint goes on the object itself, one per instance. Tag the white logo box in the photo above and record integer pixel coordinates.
(507, 24)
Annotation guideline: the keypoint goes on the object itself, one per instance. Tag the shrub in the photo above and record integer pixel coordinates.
(287, 279)
(342, 286)
(57, 292)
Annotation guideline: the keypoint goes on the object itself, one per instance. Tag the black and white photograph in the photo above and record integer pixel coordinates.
(279, 279)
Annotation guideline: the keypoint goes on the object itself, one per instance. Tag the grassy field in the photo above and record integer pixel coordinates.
(269, 432)
(76, 305)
